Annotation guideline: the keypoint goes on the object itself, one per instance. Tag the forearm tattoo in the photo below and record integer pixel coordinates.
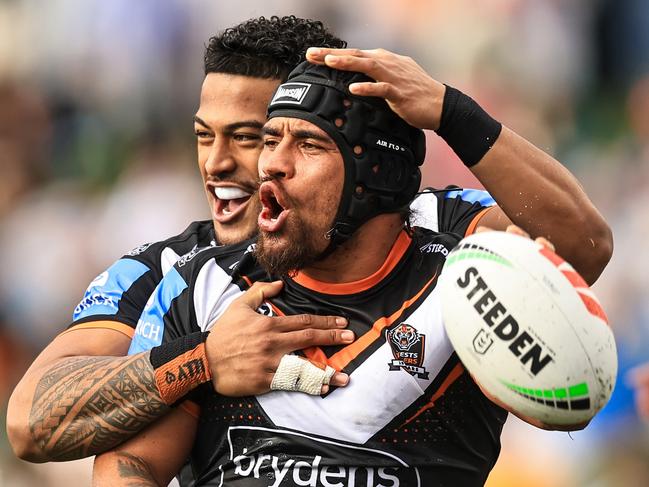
(134, 470)
(85, 405)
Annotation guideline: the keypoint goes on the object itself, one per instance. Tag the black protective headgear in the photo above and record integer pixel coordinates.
(382, 153)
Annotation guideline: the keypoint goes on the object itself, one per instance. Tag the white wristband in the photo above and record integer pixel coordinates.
(298, 374)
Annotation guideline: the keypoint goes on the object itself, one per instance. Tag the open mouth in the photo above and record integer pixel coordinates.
(231, 201)
(274, 212)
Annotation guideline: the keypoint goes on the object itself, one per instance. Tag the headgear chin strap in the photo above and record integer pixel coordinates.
(381, 152)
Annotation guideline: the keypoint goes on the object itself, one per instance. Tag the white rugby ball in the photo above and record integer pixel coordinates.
(528, 328)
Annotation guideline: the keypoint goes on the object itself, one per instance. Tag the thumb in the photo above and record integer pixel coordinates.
(259, 292)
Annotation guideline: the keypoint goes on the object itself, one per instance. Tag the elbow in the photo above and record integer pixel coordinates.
(20, 436)
(589, 249)
(26, 450)
(599, 242)
(22, 443)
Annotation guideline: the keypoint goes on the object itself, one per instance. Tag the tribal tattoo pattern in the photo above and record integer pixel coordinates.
(85, 405)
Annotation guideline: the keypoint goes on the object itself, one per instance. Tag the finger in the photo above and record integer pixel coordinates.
(317, 54)
(545, 242)
(298, 374)
(482, 229)
(306, 321)
(339, 379)
(516, 230)
(298, 340)
(258, 293)
(368, 66)
(378, 89)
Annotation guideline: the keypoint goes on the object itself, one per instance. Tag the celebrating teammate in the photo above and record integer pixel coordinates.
(338, 171)
(74, 401)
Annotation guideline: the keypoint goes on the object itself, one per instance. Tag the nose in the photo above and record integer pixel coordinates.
(276, 163)
(220, 159)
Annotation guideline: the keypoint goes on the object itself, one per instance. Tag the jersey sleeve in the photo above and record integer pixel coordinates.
(170, 314)
(167, 315)
(188, 299)
(452, 210)
(117, 295)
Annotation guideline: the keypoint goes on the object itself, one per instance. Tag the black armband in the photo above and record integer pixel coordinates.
(466, 127)
(180, 366)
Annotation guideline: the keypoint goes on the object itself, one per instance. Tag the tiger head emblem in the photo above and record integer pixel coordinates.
(404, 336)
(408, 350)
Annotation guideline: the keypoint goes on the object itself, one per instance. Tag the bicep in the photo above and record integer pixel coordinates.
(159, 451)
(107, 339)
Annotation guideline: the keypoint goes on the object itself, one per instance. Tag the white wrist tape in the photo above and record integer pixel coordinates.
(298, 374)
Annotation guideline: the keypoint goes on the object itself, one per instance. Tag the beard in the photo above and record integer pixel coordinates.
(295, 247)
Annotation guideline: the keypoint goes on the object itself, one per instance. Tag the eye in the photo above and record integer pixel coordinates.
(308, 146)
(270, 143)
(202, 134)
(246, 137)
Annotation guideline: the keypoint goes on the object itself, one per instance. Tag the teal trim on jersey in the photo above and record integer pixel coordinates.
(150, 326)
(105, 291)
(472, 196)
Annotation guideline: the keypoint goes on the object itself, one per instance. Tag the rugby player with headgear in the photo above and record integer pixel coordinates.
(75, 401)
(338, 171)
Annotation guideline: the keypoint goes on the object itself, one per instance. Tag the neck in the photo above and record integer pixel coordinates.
(361, 255)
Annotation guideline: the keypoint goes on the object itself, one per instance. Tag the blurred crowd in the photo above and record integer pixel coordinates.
(97, 156)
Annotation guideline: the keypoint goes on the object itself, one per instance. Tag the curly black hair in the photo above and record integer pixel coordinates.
(266, 48)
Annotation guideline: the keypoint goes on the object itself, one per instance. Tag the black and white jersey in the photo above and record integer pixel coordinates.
(116, 297)
(410, 416)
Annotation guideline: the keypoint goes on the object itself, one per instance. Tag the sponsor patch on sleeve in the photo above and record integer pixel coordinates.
(105, 291)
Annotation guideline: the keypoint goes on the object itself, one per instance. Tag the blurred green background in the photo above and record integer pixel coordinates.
(97, 156)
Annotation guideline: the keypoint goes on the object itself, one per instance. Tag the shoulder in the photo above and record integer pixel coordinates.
(430, 196)
(468, 195)
(161, 255)
(225, 259)
(429, 242)
(451, 209)
(197, 234)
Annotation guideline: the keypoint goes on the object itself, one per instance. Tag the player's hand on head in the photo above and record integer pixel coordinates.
(411, 92)
(516, 230)
(245, 347)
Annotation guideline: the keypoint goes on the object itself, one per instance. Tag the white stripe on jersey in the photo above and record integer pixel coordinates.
(168, 257)
(375, 394)
(213, 293)
(425, 210)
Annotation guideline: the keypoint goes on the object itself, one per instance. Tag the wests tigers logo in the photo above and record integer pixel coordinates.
(408, 347)
(404, 336)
